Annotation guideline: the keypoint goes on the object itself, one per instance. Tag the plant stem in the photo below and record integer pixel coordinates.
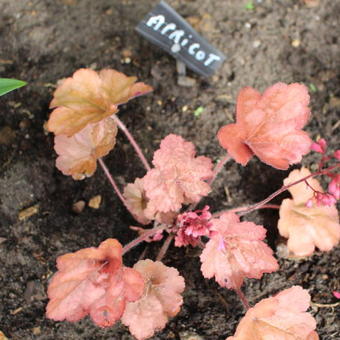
(219, 166)
(132, 141)
(241, 209)
(113, 183)
(142, 238)
(217, 170)
(164, 248)
(242, 298)
(284, 188)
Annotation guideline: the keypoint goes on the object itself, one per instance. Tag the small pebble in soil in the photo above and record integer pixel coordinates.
(186, 81)
(296, 43)
(256, 43)
(95, 201)
(78, 207)
(312, 3)
(24, 124)
(224, 99)
(28, 212)
(126, 60)
(126, 53)
(36, 330)
(190, 336)
(7, 135)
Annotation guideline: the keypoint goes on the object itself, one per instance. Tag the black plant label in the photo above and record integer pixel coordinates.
(164, 27)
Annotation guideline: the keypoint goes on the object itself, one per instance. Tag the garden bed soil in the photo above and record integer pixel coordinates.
(42, 41)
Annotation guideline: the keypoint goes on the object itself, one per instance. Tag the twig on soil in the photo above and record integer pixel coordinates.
(325, 305)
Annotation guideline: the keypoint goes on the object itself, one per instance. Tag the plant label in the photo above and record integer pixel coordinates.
(164, 27)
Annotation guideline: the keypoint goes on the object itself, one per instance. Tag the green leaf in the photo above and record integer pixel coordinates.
(198, 111)
(249, 6)
(312, 87)
(8, 85)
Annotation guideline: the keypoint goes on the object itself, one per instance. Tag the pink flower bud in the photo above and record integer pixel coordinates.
(309, 204)
(336, 294)
(334, 187)
(325, 199)
(191, 226)
(319, 146)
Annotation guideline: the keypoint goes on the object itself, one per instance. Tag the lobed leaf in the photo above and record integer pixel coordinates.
(282, 316)
(78, 154)
(178, 177)
(136, 200)
(236, 251)
(93, 281)
(160, 301)
(138, 204)
(89, 97)
(307, 227)
(269, 126)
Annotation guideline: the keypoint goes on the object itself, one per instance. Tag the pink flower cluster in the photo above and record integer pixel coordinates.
(329, 198)
(191, 226)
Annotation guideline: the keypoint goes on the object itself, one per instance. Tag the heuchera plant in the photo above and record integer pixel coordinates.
(95, 282)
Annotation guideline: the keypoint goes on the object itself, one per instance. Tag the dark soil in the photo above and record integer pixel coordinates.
(42, 41)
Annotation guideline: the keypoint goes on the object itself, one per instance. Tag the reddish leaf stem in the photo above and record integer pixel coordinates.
(242, 298)
(113, 183)
(217, 170)
(219, 166)
(142, 238)
(132, 141)
(164, 248)
(241, 209)
(284, 188)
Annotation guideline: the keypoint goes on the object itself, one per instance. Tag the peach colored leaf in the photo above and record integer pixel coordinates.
(93, 281)
(281, 317)
(178, 177)
(269, 126)
(236, 251)
(136, 200)
(78, 154)
(88, 97)
(307, 227)
(161, 299)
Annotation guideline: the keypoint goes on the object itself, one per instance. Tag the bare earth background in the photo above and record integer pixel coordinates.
(42, 41)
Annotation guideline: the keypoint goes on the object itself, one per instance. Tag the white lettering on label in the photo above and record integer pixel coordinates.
(176, 36)
(200, 55)
(157, 20)
(179, 39)
(193, 48)
(184, 42)
(212, 57)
